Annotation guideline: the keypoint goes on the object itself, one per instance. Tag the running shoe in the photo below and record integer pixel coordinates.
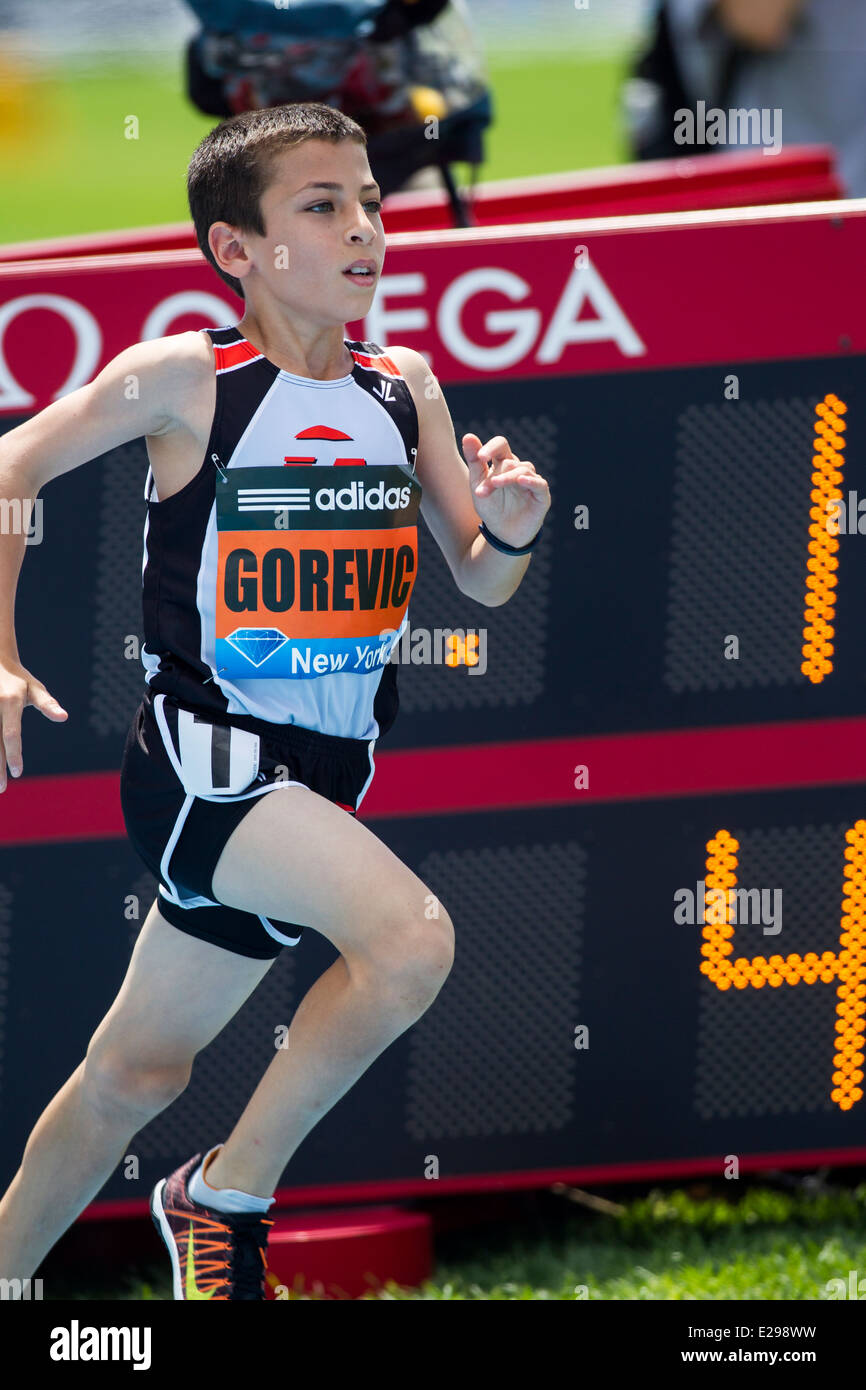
(214, 1254)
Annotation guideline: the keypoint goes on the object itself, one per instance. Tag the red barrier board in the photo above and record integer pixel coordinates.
(608, 294)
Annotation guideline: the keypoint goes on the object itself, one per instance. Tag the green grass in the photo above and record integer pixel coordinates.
(756, 1244)
(67, 166)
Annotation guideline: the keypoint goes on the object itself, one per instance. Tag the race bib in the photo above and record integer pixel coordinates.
(314, 565)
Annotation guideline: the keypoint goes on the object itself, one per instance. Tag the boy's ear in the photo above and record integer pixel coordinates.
(224, 241)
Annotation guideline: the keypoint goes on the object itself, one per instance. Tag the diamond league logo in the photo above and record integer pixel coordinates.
(257, 643)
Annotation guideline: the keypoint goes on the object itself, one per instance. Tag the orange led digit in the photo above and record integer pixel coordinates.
(822, 564)
(462, 652)
(848, 965)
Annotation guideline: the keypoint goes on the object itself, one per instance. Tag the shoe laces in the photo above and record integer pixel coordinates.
(248, 1262)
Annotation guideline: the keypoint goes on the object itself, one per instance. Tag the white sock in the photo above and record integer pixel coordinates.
(227, 1199)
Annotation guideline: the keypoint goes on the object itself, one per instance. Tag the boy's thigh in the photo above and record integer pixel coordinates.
(178, 994)
(298, 857)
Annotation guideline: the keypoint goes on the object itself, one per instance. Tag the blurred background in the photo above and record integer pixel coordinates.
(70, 73)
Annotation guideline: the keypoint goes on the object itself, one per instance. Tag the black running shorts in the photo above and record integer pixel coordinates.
(188, 777)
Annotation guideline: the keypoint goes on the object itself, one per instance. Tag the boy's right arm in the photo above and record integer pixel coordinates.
(144, 390)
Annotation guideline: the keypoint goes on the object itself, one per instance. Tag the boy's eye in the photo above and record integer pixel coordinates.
(326, 203)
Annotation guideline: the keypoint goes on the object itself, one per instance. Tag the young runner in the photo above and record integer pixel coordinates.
(287, 469)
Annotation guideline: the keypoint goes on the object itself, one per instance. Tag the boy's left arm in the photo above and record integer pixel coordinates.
(491, 486)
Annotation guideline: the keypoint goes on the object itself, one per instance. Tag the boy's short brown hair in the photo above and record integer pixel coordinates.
(231, 168)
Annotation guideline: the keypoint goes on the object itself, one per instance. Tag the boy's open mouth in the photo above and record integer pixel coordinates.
(361, 272)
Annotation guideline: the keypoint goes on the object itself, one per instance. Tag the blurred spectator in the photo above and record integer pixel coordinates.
(800, 63)
(408, 71)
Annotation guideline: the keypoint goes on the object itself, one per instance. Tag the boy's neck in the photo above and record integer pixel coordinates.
(323, 362)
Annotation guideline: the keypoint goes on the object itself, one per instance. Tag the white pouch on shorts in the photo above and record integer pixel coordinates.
(211, 760)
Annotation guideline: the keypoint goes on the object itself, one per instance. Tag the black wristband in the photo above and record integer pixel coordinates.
(510, 549)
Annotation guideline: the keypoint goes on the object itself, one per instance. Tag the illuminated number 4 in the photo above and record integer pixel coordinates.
(847, 965)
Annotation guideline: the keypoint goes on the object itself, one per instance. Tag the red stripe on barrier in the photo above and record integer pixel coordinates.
(527, 1179)
(621, 767)
(81, 806)
(504, 776)
(798, 173)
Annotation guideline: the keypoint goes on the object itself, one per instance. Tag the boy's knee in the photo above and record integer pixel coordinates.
(419, 956)
(118, 1083)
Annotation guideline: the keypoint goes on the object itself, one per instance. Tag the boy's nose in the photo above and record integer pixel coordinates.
(363, 225)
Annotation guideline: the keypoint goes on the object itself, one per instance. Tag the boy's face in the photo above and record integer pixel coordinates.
(312, 234)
